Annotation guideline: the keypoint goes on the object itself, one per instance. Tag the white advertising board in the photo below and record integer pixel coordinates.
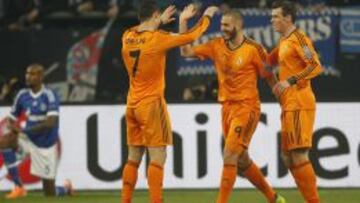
(93, 147)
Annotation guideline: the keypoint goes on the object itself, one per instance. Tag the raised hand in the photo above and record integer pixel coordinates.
(188, 12)
(167, 16)
(211, 10)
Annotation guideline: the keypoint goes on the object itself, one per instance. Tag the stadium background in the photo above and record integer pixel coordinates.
(81, 50)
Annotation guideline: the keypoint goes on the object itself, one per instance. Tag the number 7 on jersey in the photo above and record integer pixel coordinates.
(135, 54)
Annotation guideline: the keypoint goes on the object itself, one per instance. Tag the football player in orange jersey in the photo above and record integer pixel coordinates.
(144, 50)
(298, 64)
(238, 61)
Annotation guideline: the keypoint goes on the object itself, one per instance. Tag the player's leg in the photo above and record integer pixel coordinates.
(10, 159)
(252, 172)
(157, 135)
(247, 123)
(229, 173)
(51, 190)
(156, 173)
(304, 175)
(65, 190)
(130, 172)
(49, 187)
(135, 153)
(230, 157)
(11, 165)
(44, 164)
(297, 138)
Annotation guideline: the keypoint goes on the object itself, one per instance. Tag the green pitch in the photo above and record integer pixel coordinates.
(192, 196)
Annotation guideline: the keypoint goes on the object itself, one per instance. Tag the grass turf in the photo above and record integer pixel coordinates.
(192, 196)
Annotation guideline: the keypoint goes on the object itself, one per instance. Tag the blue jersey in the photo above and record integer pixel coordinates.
(37, 107)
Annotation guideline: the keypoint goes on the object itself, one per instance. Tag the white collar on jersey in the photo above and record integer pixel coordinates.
(36, 95)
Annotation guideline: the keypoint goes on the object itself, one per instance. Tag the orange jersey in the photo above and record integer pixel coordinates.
(297, 58)
(144, 55)
(237, 69)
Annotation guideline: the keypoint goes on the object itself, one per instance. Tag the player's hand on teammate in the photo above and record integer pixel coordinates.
(210, 11)
(167, 16)
(188, 12)
(280, 87)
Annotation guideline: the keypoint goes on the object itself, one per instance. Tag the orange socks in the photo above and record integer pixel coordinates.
(305, 179)
(155, 182)
(254, 175)
(227, 183)
(129, 180)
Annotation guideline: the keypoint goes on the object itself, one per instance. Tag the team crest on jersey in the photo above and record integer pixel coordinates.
(42, 107)
(239, 61)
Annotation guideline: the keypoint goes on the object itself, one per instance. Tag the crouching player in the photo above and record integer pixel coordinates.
(39, 139)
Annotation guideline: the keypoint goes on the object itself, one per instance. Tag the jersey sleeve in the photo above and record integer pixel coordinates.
(307, 54)
(17, 108)
(170, 40)
(272, 57)
(260, 57)
(53, 103)
(204, 51)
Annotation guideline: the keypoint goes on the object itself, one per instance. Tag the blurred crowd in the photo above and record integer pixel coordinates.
(17, 15)
(20, 14)
(301, 3)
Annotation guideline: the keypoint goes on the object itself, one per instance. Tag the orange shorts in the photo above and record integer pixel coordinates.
(297, 129)
(149, 124)
(239, 123)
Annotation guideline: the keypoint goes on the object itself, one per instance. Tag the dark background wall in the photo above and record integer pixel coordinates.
(51, 44)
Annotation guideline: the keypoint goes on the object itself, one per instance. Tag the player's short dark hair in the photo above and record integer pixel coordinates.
(146, 9)
(235, 13)
(287, 7)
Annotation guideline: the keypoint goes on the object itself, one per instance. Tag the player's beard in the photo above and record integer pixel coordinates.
(231, 35)
(29, 84)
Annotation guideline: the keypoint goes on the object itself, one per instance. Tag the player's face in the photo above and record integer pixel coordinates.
(279, 22)
(33, 76)
(228, 27)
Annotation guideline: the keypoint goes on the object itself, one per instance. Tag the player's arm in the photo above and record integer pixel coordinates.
(271, 79)
(263, 69)
(43, 127)
(168, 40)
(188, 12)
(52, 114)
(202, 51)
(308, 55)
(17, 108)
(272, 57)
(271, 61)
(16, 111)
(311, 70)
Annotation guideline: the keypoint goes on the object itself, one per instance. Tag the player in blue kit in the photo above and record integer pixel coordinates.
(40, 137)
